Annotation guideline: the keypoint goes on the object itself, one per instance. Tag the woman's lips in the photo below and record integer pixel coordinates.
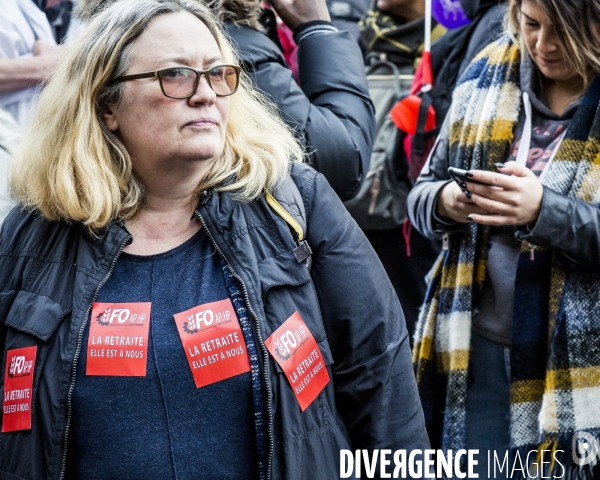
(549, 61)
(202, 122)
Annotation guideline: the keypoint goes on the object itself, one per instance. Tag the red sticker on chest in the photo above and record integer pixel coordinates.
(118, 343)
(295, 350)
(213, 342)
(18, 385)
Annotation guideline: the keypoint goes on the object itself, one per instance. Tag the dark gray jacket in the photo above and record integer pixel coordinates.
(51, 272)
(331, 110)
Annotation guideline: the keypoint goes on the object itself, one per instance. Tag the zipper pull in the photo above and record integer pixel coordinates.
(445, 241)
(375, 189)
(531, 252)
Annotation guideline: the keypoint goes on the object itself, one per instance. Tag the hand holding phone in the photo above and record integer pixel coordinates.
(461, 177)
(511, 196)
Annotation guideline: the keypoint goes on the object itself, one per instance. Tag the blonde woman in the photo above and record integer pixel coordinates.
(158, 319)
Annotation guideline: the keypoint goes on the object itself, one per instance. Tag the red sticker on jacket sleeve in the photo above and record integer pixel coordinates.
(18, 386)
(118, 342)
(295, 350)
(213, 342)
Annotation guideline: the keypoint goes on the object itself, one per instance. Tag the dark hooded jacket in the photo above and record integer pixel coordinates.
(330, 111)
(51, 272)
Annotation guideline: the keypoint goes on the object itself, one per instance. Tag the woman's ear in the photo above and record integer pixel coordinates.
(109, 118)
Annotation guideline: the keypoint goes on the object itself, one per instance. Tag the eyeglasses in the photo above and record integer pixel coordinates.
(182, 82)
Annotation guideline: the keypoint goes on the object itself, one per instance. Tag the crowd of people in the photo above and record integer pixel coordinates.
(184, 292)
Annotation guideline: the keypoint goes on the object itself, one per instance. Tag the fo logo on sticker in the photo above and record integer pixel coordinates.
(120, 316)
(19, 366)
(288, 342)
(204, 319)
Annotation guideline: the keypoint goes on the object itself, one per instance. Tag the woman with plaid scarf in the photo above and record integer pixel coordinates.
(507, 348)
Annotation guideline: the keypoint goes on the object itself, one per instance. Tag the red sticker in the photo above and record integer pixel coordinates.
(18, 385)
(213, 342)
(295, 350)
(118, 343)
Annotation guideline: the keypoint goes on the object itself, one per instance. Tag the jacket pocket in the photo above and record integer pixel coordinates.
(26, 320)
(33, 314)
(31, 320)
(282, 270)
(286, 288)
(296, 425)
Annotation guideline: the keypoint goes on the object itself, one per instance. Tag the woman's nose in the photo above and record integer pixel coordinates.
(547, 41)
(204, 93)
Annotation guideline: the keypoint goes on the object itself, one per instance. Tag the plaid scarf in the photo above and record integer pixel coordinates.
(555, 355)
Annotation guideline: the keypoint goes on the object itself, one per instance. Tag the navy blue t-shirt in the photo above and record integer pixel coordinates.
(161, 426)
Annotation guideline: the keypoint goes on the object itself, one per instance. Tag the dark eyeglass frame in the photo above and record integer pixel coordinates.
(199, 73)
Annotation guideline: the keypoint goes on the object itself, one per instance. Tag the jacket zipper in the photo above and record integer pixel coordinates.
(78, 350)
(260, 341)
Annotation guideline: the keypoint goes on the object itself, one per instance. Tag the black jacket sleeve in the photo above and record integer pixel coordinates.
(375, 388)
(331, 110)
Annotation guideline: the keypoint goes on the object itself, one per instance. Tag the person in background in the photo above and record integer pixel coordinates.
(330, 110)
(28, 54)
(58, 13)
(10, 132)
(346, 15)
(155, 296)
(396, 29)
(450, 56)
(393, 30)
(508, 336)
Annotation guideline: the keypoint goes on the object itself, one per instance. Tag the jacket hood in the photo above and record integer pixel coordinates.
(473, 8)
(239, 12)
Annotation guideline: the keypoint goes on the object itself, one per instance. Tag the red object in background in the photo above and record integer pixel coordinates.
(290, 49)
(406, 112)
(425, 70)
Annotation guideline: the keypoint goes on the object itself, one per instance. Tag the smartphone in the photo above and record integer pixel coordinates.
(460, 177)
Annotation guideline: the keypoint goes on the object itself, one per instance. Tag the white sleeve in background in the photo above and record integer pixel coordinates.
(22, 23)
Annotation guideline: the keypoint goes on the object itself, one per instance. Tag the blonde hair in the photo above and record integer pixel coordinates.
(71, 167)
(577, 24)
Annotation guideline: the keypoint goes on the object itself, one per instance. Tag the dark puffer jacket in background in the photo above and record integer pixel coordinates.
(331, 110)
